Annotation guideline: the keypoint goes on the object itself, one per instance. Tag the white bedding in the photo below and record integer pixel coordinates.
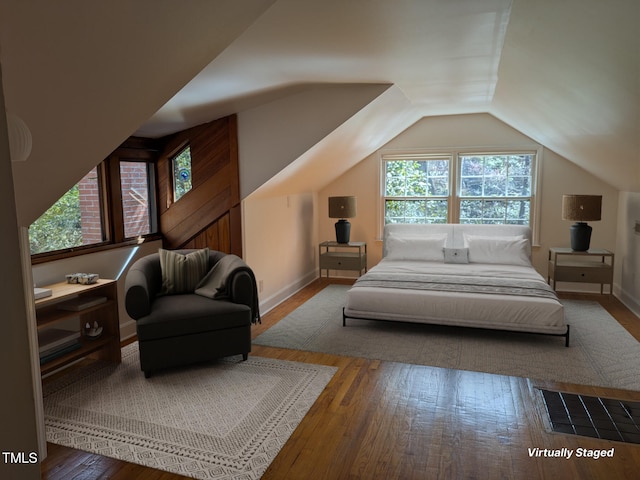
(497, 311)
(411, 251)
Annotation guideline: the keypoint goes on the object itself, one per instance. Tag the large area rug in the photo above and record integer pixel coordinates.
(602, 352)
(222, 420)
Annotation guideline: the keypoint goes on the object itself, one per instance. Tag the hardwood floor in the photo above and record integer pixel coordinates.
(397, 421)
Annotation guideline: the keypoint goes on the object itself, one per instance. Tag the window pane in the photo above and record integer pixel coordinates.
(181, 173)
(416, 211)
(519, 187)
(417, 178)
(470, 210)
(518, 212)
(74, 220)
(134, 182)
(495, 187)
(471, 186)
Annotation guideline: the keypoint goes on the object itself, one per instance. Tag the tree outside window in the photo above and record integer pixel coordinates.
(488, 188)
(74, 220)
(181, 173)
(416, 191)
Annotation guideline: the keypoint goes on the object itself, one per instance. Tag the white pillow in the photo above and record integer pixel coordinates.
(456, 255)
(427, 248)
(503, 250)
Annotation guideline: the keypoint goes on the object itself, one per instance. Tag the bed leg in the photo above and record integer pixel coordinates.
(344, 318)
(566, 336)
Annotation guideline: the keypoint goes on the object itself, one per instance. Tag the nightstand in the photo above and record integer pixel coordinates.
(593, 266)
(343, 256)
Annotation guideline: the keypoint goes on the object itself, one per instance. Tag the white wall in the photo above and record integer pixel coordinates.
(558, 176)
(280, 243)
(628, 251)
(19, 432)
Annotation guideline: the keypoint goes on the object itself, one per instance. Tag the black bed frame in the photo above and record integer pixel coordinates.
(565, 335)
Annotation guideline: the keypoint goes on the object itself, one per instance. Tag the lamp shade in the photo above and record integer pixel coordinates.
(342, 207)
(581, 208)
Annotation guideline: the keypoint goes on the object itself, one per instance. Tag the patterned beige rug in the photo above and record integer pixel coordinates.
(602, 352)
(223, 420)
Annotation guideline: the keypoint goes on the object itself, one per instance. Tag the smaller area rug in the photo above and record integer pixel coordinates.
(221, 420)
(602, 352)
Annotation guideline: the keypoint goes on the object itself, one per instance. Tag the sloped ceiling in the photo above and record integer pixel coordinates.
(569, 77)
(85, 75)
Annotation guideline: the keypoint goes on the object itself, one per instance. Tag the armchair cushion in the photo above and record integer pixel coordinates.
(178, 315)
(181, 272)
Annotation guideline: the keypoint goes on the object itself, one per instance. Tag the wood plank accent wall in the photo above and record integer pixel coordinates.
(209, 214)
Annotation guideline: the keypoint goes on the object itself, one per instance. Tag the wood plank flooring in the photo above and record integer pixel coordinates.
(397, 421)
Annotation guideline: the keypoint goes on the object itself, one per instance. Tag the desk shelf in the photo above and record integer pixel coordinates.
(50, 315)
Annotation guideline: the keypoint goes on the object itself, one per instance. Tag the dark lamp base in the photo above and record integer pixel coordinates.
(580, 236)
(343, 231)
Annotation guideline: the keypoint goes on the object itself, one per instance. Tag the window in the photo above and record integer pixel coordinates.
(135, 181)
(75, 220)
(459, 187)
(181, 173)
(496, 188)
(114, 203)
(416, 190)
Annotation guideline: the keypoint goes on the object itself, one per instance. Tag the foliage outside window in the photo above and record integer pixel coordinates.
(416, 190)
(181, 173)
(136, 205)
(73, 221)
(496, 188)
(483, 188)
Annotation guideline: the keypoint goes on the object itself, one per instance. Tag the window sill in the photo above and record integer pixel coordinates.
(84, 250)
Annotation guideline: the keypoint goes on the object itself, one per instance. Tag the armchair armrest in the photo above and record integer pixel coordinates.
(231, 278)
(242, 288)
(141, 286)
(137, 300)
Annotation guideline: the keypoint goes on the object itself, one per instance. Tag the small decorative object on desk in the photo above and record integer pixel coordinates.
(82, 278)
(92, 332)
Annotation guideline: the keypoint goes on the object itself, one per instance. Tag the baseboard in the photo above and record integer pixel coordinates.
(127, 329)
(628, 300)
(286, 292)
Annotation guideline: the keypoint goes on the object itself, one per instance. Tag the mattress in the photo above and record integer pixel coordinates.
(485, 310)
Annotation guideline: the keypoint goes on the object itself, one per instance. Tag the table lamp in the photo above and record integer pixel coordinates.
(342, 208)
(581, 209)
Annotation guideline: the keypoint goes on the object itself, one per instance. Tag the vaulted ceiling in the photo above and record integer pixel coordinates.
(86, 75)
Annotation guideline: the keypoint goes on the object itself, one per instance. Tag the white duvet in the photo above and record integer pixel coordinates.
(496, 311)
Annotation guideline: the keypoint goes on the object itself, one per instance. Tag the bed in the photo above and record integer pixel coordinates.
(461, 275)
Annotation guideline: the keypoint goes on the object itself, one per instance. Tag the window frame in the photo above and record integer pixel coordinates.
(109, 184)
(172, 165)
(416, 157)
(454, 199)
(151, 197)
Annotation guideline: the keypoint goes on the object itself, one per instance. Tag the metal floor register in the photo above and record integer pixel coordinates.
(594, 417)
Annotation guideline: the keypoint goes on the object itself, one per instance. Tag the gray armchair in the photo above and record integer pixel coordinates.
(186, 328)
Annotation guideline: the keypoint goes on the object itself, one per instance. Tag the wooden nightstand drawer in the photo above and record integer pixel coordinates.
(584, 274)
(342, 261)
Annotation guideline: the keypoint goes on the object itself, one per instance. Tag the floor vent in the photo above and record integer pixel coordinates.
(594, 417)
